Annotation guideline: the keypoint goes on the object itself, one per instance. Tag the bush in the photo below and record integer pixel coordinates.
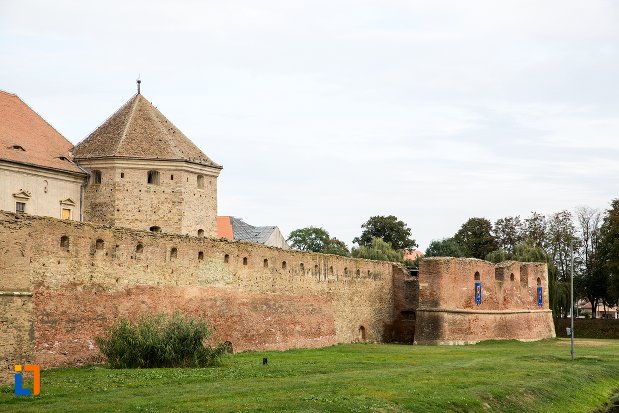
(589, 328)
(159, 341)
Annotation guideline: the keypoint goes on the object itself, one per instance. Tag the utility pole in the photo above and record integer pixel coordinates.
(572, 298)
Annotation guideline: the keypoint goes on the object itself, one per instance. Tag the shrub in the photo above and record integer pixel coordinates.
(159, 341)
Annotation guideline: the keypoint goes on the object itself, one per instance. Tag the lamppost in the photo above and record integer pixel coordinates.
(572, 298)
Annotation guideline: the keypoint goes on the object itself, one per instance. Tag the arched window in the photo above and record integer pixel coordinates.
(266, 263)
(512, 277)
(155, 228)
(99, 244)
(139, 249)
(358, 273)
(477, 276)
(173, 253)
(331, 270)
(345, 270)
(361, 333)
(96, 177)
(64, 242)
(284, 265)
(200, 232)
(200, 255)
(539, 282)
(226, 258)
(153, 177)
(302, 267)
(245, 261)
(200, 182)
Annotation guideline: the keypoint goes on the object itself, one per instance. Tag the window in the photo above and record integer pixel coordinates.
(477, 277)
(284, 265)
(96, 177)
(266, 263)
(122, 174)
(153, 177)
(245, 261)
(64, 242)
(173, 253)
(512, 277)
(139, 249)
(66, 213)
(539, 282)
(358, 273)
(200, 181)
(20, 207)
(171, 177)
(302, 267)
(226, 258)
(18, 148)
(200, 232)
(200, 255)
(361, 333)
(345, 270)
(99, 244)
(155, 229)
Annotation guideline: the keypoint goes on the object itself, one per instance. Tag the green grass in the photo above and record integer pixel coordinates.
(493, 376)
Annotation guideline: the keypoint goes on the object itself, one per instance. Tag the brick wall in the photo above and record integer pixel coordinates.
(448, 313)
(254, 296)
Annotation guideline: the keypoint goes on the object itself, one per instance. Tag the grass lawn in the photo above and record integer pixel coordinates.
(493, 376)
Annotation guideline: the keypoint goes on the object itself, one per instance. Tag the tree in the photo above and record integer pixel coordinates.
(336, 247)
(388, 228)
(608, 252)
(475, 238)
(378, 250)
(592, 280)
(561, 237)
(508, 232)
(309, 239)
(534, 230)
(447, 247)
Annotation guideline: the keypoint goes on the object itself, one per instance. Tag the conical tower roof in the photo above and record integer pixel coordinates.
(139, 131)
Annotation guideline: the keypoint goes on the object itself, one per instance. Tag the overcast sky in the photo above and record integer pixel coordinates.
(325, 113)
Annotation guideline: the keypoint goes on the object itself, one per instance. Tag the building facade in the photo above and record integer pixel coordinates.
(37, 173)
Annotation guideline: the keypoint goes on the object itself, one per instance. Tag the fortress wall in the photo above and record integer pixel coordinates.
(293, 299)
(448, 312)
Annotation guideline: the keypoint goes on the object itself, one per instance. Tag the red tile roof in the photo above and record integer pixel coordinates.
(224, 228)
(25, 137)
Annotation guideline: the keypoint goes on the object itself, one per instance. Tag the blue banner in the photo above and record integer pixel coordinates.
(540, 297)
(478, 293)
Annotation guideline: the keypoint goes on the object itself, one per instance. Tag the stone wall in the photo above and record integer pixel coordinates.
(84, 276)
(448, 313)
(176, 204)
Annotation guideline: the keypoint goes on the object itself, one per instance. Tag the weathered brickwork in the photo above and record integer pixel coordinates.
(448, 313)
(178, 203)
(84, 276)
(16, 332)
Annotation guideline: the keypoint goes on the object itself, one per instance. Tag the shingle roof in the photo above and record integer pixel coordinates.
(25, 137)
(245, 232)
(139, 130)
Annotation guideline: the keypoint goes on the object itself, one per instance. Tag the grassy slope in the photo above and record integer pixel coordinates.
(497, 376)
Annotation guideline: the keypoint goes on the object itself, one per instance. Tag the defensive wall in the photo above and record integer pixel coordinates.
(448, 312)
(63, 282)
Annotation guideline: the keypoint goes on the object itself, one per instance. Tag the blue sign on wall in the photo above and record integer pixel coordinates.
(540, 297)
(478, 292)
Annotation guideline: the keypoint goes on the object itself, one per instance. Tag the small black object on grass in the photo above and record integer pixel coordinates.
(265, 361)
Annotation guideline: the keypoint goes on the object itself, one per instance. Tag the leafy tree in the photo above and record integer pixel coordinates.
(508, 232)
(592, 280)
(447, 247)
(309, 239)
(378, 250)
(336, 247)
(475, 238)
(561, 236)
(390, 229)
(535, 230)
(608, 260)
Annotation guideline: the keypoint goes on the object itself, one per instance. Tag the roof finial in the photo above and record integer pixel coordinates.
(139, 81)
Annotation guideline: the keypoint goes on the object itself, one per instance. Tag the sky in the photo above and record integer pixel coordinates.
(326, 113)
